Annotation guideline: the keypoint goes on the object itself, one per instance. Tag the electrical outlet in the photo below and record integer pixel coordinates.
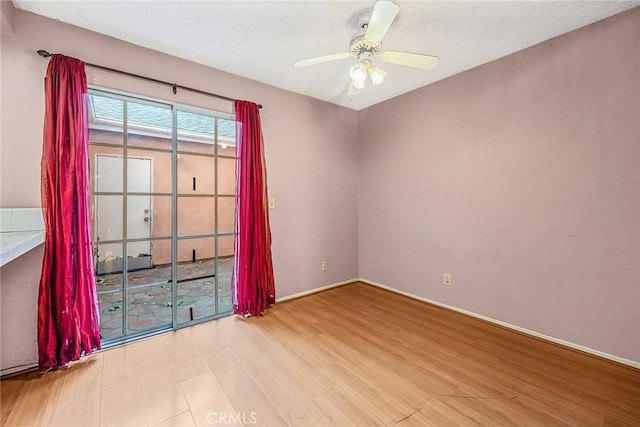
(325, 265)
(447, 279)
(272, 203)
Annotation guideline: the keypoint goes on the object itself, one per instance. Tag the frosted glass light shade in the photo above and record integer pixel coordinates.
(377, 75)
(358, 74)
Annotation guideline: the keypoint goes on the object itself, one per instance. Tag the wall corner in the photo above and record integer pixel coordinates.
(8, 23)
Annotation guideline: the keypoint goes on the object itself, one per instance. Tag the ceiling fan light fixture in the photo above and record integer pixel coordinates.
(377, 75)
(366, 46)
(358, 74)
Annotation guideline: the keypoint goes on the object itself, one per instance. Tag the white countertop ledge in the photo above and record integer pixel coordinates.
(16, 243)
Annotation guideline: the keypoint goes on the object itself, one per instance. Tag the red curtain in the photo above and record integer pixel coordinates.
(253, 284)
(68, 316)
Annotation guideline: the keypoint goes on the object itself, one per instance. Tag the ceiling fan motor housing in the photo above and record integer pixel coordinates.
(361, 48)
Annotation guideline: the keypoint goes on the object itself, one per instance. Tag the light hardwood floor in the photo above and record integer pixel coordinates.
(353, 355)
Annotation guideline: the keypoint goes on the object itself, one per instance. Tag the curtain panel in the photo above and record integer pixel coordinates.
(253, 282)
(68, 315)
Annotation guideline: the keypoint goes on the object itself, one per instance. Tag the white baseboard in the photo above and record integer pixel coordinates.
(569, 344)
(314, 290)
(18, 369)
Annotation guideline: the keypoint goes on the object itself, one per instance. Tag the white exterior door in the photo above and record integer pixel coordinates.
(139, 207)
(109, 209)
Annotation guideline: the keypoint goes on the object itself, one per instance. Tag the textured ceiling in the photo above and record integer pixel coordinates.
(261, 40)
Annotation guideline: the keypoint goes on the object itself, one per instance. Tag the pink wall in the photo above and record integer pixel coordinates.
(20, 282)
(311, 146)
(7, 24)
(519, 178)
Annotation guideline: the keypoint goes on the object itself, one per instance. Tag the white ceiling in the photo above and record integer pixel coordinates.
(261, 40)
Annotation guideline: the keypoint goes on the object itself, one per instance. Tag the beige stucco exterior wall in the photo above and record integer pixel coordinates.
(196, 215)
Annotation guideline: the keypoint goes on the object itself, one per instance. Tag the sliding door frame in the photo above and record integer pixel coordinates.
(125, 97)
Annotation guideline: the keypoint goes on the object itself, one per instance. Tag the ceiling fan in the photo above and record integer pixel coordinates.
(365, 45)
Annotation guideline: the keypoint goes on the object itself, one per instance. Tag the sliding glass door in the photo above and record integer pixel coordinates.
(163, 204)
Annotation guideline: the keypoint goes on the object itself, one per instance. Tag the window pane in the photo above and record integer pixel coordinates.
(108, 281)
(160, 216)
(142, 272)
(148, 125)
(226, 176)
(111, 307)
(139, 254)
(148, 171)
(149, 308)
(108, 172)
(109, 177)
(142, 269)
(196, 215)
(226, 214)
(196, 174)
(196, 280)
(109, 258)
(107, 218)
(196, 299)
(105, 119)
(139, 217)
(161, 250)
(195, 132)
(195, 254)
(225, 270)
(226, 137)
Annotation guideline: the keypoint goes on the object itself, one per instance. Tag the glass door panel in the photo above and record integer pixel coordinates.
(163, 206)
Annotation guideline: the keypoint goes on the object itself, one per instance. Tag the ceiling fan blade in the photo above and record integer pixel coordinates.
(424, 62)
(321, 59)
(384, 12)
